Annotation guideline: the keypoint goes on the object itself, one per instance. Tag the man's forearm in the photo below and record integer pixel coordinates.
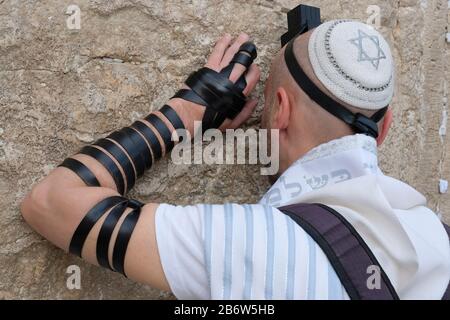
(49, 207)
(81, 205)
(109, 162)
(188, 114)
(57, 204)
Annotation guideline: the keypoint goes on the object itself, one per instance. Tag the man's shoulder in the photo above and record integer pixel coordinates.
(257, 210)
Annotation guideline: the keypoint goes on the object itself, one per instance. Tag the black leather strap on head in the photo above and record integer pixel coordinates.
(301, 19)
(358, 122)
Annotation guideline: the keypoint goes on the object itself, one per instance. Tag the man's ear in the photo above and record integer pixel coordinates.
(387, 122)
(283, 113)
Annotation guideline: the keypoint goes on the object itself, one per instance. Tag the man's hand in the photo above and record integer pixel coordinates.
(221, 56)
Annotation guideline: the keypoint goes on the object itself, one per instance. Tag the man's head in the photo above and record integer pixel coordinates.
(349, 62)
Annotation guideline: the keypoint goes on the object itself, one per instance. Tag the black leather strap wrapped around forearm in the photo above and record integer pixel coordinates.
(151, 138)
(118, 206)
(122, 158)
(89, 221)
(141, 145)
(109, 165)
(137, 144)
(124, 236)
(133, 150)
(172, 116)
(358, 122)
(106, 231)
(162, 129)
(82, 171)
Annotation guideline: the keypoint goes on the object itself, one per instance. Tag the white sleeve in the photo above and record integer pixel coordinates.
(236, 251)
(180, 246)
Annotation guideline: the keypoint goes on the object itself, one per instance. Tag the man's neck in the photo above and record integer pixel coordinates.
(327, 164)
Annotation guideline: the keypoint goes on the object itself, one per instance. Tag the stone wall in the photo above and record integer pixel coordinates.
(61, 88)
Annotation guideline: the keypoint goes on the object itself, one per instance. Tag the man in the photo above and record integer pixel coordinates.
(255, 251)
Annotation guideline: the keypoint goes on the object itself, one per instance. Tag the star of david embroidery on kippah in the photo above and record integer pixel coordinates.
(363, 56)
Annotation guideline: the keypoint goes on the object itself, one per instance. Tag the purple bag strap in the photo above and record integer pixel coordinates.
(447, 292)
(347, 252)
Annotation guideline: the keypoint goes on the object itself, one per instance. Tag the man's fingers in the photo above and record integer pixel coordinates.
(243, 116)
(233, 49)
(218, 52)
(237, 72)
(252, 77)
(221, 56)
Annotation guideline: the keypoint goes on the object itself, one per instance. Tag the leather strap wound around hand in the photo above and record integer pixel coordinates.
(221, 97)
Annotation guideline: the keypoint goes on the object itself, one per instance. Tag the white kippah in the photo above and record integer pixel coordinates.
(354, 62)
